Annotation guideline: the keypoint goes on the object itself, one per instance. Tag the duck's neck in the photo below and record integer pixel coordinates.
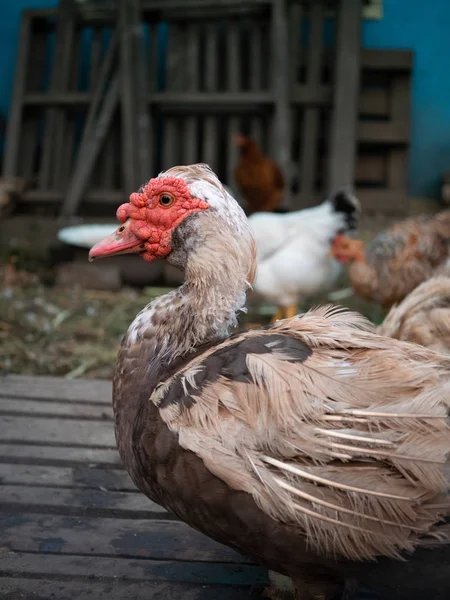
(201, 310)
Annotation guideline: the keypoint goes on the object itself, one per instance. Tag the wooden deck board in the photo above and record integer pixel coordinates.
(74, 526)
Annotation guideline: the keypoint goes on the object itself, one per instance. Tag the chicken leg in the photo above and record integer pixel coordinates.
(291, 311)
(280, 314)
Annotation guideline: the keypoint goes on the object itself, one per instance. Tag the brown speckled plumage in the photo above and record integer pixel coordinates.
(308, 445)
(398, 259)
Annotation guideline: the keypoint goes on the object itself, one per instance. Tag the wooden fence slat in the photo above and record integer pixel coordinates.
(175, 74)
(80, 390)
(190, 137)
(342, 145)
(233, 73)
(281, 130)
(40, 430)
(62, 476)
(30, 122)
(131, 569)
(55, 116)
(13, 125)
(88, 151)
(64, 136)
(136, 154)
(95, 58)
(210, 125)
(376, 132)
(49, 455)
(140, 538)
(294, 40)
(256, 124)
(310, 131)
(371, 168)
(55, 409)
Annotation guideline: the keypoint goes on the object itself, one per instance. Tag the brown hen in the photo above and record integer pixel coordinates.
(399, 259)
(259, 178)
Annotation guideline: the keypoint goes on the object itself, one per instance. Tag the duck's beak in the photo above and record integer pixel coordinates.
(122, 241)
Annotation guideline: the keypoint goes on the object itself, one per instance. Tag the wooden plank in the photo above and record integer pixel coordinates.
(256, 68)
(210, 124)
(81, 502)
(13, 126)
(95, 59)
(134, 97)
(110, 173)
(50, 455)
(57, 388)
(128, 115)
(15, 406)
(233, 84)
(342, 146)
(113, 589)
(308, 157)
(140, 538)
(171, 99)
(98, 121)
(281, 131)
(65, 135)
(69, 432)
(175, 77)
(64, 131)
(376, 132)
(192, 67)
(80, 476)
(99, 196)
(388, 60)
(130, 570)
(54, 121)
(370, 169)
(400, 101)
(61, 565)
(153, 58)
(374, 102)
(144, 134)
(31, 119)
(88, 153)
(295, 11)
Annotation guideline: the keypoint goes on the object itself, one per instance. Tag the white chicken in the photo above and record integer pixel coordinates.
(293, 250)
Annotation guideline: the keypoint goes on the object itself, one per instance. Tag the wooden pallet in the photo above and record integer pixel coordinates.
(73, 524)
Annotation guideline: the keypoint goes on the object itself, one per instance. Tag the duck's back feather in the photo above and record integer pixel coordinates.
(336, 431)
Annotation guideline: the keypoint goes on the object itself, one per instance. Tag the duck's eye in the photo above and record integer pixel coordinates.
(166, 200)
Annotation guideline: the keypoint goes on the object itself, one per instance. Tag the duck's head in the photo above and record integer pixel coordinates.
(346, 249)
(184, 215)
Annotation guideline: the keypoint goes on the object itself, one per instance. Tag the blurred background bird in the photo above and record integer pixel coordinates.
(293, 250)
(398, 259)
(259, 178)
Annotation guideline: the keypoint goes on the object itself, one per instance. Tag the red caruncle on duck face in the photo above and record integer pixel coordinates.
(149, 219)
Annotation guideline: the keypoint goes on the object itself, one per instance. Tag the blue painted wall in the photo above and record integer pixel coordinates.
(409, 24)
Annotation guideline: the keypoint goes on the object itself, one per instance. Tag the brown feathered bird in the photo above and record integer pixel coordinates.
(259, 178)
(398, 259)
(423, 317)
(310, 445)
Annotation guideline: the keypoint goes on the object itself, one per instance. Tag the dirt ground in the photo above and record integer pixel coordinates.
(74, 332)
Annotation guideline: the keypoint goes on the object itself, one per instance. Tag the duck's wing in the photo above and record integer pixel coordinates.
(330, 427)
